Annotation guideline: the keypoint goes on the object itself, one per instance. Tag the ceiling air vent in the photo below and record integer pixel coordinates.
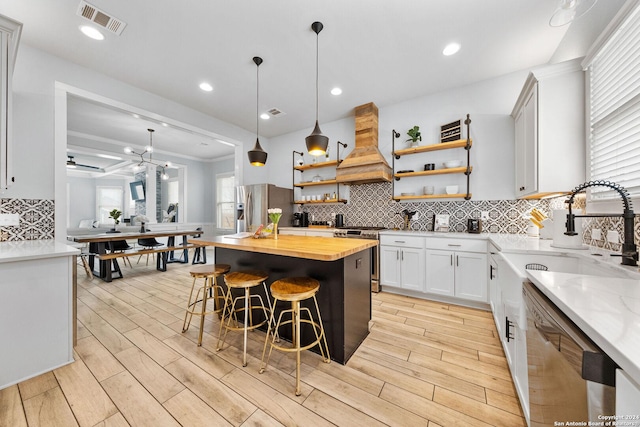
(101, 18)
(274, 112)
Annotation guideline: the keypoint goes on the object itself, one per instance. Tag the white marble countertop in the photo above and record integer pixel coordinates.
(606, 309)
(34, 249)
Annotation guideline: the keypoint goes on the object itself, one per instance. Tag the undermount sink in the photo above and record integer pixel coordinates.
(569, 264)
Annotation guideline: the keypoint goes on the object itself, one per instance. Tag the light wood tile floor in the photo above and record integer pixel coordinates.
(423, 364)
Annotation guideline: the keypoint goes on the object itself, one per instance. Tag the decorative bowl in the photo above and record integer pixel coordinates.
(451, 189)
(452, 164)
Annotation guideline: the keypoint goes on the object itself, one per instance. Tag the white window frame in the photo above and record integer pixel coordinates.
(612, 204)
(112, 206)
(219, 203)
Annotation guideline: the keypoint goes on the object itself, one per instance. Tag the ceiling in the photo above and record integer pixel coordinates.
(375, 50)
(95, 129)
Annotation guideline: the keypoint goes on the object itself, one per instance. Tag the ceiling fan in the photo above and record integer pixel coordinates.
(71, 164)
(569, 10)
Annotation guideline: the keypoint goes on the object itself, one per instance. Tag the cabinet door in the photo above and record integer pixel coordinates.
(412, 269)
(526, 145)
(390, 266)
(440, 272)
(471, 276)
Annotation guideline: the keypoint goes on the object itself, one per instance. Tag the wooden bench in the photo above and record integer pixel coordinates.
(113, 255)
(161, 261)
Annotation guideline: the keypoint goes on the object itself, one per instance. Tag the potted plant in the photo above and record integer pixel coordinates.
(115, 214)
(415, 136)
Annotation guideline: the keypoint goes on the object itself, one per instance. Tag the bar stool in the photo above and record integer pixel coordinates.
(295, 290)
(243, 280)
(210, 274)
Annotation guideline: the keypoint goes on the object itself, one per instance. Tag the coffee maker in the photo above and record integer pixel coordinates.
(300, 219)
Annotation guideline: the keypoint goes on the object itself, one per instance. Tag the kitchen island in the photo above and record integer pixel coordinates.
(343, 267)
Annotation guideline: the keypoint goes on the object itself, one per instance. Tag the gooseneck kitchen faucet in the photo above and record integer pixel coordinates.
(629, 252)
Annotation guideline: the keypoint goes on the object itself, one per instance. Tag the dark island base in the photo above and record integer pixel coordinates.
(344, 297)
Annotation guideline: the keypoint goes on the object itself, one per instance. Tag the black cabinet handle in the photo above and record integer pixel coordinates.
(507, 331)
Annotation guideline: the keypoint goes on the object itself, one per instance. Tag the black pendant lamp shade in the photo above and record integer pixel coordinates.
(317, 143)
(257, 156)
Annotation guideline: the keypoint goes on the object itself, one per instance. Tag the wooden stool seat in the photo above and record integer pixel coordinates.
(242, 304)
(210, 290)
(244, 279)
(295, 290)
(205, 270)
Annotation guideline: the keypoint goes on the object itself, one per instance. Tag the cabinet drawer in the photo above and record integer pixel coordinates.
(466, 245)
(403, 241)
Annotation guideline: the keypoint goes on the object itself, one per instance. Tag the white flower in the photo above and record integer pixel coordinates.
(274, 210)
(142, 218)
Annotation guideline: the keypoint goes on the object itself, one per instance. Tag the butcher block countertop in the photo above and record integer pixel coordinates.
(308, 247)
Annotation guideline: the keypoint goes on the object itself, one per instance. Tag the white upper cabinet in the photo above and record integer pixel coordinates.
(9, 37)
(550, 140)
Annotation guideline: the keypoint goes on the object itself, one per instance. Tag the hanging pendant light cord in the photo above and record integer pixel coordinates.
(257, 99)
(150, 145)
(317, 67)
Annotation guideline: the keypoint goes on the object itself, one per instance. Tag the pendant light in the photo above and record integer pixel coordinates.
(316, 142)
(257, 156)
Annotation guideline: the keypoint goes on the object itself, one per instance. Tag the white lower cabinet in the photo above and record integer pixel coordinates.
(627, 398)
(457, 273)
(402, 262)
(509, 316)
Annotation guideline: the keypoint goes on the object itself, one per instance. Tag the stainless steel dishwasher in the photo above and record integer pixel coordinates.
(570, 378)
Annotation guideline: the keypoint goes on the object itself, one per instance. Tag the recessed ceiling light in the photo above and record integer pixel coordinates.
(336, 91)
(91, 32)
(137, 116)
(451, 49)
(206, 87)
(264, 116)
(165, 124)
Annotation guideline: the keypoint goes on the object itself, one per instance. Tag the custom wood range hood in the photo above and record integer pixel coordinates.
(365, 164)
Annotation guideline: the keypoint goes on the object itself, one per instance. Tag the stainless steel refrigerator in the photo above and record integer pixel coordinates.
(252, 202)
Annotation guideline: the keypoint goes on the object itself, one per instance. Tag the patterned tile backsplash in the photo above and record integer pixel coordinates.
(371, 205)
(36, 219)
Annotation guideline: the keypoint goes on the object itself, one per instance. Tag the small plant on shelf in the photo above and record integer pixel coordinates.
(414, 134)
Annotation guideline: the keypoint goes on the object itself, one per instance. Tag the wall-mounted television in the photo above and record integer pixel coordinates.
(137, 190)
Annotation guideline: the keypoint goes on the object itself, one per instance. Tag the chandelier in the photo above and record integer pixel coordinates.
(149, 150)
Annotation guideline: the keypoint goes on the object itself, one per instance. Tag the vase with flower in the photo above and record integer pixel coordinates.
(274, 217)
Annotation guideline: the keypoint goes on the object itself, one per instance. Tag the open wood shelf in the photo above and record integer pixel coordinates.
(433, 196)
(461, 169)
(460, 143)
(466, 169)
(317, 165)
(311, 183)
(310, 202)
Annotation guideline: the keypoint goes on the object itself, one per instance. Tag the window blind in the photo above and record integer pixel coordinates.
(614, 110)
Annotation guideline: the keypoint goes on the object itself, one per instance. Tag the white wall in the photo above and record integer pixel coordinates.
(492, 156)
